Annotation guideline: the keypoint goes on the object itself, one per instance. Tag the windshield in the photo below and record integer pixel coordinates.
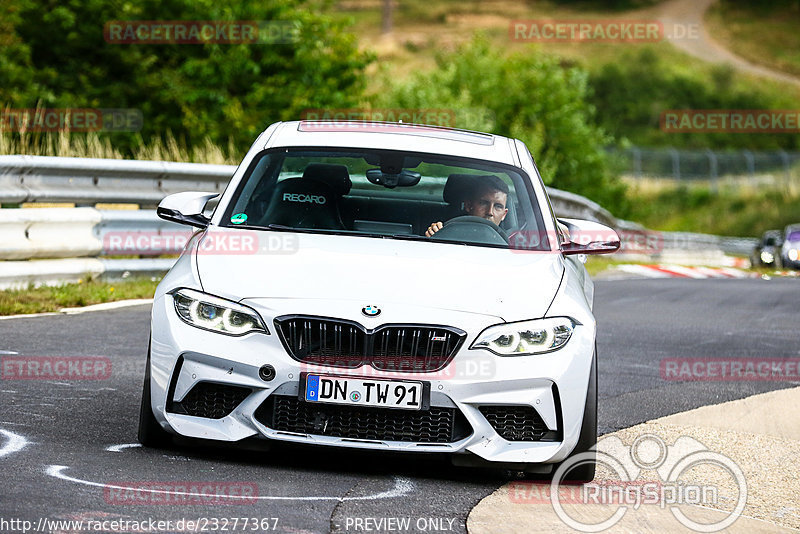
(793, 236)
(388, 194)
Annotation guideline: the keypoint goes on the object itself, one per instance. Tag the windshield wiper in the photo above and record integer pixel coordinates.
(326, 231)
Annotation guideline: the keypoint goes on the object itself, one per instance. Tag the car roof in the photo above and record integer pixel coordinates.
(395, 136)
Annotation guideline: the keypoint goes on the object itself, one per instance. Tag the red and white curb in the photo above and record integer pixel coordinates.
(681, 271)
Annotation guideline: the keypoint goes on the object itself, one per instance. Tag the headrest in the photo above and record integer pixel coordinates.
(303, 203)
(304, 193)
(458, 187)
(335, 176)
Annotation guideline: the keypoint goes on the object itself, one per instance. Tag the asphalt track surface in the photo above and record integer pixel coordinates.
(54, 435)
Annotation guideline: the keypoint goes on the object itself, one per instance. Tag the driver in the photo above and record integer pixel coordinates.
(488, 201)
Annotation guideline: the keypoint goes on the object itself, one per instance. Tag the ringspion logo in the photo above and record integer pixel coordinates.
(683, 480)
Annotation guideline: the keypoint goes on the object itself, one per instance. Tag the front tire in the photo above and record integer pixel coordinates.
(150, 432)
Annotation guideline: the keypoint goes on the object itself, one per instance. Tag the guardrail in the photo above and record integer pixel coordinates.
(85, 235)
(87, 181)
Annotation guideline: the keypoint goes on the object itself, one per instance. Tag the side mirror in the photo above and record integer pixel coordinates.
(186, 208)
(588, 237)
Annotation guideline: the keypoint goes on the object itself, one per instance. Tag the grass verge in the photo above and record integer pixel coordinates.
(86, 292)
(93, 145)
(697, 209)
(598, 264)
(765, 33)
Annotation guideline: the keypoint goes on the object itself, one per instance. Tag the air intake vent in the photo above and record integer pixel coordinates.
(518, 423)
(213, 401)
(289, 414)
(340, 343)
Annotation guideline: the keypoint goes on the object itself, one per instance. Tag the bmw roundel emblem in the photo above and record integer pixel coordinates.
(371, 311)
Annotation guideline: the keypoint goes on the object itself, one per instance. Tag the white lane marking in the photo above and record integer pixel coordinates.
(402, 486)
(118, 448)
(14, 443)
(25, 315)
(106, 306)
(10, 352)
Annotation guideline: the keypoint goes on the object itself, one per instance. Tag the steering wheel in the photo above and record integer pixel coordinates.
(471, 228)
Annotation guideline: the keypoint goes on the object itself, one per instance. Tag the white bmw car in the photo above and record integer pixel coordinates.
(380, 286)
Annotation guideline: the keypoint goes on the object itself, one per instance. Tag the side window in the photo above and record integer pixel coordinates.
(251, 201)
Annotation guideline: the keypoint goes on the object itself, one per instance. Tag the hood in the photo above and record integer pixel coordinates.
(511, 285)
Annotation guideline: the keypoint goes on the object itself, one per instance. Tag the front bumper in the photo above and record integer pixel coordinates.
(554, 385)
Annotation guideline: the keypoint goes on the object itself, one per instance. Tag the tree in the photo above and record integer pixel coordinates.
(57, 57)
(529, 96)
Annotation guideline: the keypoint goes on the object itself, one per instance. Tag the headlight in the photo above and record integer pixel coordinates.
(526, 337)
(216, 314)
(766, 256)
(793, 254)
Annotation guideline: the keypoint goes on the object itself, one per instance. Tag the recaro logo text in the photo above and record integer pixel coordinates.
(299, 197)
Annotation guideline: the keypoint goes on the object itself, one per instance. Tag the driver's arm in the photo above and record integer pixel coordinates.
(433, 228)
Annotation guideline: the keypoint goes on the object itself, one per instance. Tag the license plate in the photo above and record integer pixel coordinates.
(364, 392)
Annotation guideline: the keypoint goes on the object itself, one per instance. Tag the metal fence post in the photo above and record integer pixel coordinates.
(712, 163)
(676, 163)
(786, 168)
(751, 165)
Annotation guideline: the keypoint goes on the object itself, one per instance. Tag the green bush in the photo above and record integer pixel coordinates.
(53, 54)
(529, 96)
(631, 93)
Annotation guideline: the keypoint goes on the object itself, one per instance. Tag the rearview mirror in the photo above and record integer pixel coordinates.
(589, 237)
(404, 178)
(186, 208)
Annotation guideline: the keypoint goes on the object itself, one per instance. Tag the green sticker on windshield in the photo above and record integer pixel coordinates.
(239, 218)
